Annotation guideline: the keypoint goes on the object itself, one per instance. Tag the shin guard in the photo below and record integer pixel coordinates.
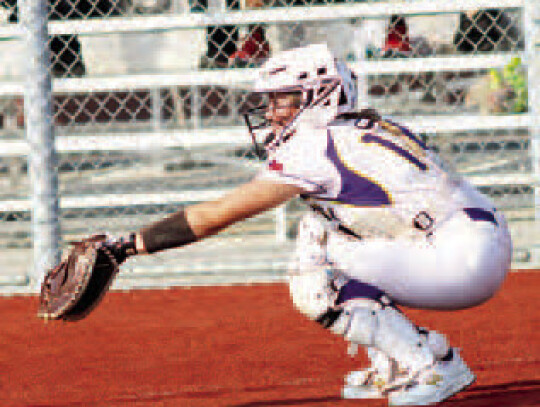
(368, 317)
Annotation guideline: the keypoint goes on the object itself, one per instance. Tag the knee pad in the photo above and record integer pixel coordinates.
(310, 274)
(311, 292)
(357, 324)
(355, 312)
(310, 242)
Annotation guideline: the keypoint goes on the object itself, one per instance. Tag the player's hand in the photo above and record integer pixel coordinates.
(121, 248)
(73, 288)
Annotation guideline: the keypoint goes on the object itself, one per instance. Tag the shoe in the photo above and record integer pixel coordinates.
(372, 382)
(434, 383)
(364, 384)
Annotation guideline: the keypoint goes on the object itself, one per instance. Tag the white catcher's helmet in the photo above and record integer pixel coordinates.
(328, 87)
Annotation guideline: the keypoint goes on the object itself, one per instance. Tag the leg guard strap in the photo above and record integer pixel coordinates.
(354, 289)
(329, 317)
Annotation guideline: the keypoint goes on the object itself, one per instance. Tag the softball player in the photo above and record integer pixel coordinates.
(389, 226)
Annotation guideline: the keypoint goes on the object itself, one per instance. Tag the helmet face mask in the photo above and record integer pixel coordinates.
(294, 83)
(268, 120)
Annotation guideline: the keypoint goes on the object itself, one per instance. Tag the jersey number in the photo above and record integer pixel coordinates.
(407, 154)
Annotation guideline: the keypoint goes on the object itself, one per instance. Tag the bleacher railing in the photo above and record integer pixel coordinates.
(145, 100)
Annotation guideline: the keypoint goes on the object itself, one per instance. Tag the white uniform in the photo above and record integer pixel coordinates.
(390, 225)
(424, 236)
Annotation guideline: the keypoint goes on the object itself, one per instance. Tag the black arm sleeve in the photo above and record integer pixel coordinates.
(173, 231)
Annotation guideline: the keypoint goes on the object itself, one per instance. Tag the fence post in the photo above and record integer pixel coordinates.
(40, 136)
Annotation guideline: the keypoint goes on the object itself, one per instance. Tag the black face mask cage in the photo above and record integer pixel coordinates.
(256, 120)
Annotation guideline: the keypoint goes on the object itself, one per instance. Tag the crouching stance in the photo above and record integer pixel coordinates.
(405, 358)
(409, 365)
(388, 225)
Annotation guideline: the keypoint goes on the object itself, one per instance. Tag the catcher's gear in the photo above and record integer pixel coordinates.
(325, 86)
(71, 290)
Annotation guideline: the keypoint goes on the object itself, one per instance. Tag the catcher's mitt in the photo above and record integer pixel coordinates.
(73, 288)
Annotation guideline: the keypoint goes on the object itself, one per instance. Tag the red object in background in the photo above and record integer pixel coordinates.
(255, 46)
(397, 38)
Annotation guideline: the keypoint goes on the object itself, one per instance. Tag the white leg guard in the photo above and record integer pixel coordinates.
(368, 323)
(310, 274)
(436, 341)
(359, 312)
(311, 292)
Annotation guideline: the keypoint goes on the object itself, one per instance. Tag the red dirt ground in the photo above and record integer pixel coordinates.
(243, 346)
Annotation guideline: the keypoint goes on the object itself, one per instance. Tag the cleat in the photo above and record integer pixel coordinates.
(371, 383)
(434, 383)
(363, 384)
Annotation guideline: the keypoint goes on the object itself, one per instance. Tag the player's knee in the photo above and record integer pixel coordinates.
(354, 314)
(357, 324)
(310, 293)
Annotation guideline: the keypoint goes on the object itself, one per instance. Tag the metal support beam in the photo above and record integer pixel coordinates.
(40, 136)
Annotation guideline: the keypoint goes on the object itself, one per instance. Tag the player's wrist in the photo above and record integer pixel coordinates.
(169, 233)
(123, 247)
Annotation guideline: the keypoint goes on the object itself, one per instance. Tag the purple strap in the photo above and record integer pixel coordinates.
(357, 289)
(479, 214)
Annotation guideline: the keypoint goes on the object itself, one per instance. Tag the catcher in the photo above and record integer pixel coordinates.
(389, 226)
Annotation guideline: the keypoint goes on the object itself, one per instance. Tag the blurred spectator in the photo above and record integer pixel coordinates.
(254, 50)
(225, 48)
(486, 30)
(397, 43)
(220, 40)
(66, 54)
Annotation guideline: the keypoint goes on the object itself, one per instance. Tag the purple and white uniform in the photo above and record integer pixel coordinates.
(392, 215)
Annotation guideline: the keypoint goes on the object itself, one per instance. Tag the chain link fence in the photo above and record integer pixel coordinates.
(146, 95)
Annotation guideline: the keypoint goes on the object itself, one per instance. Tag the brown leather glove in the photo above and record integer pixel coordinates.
(71, 290)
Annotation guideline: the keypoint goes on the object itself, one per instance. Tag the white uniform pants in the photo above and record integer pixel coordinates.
(462, 265)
